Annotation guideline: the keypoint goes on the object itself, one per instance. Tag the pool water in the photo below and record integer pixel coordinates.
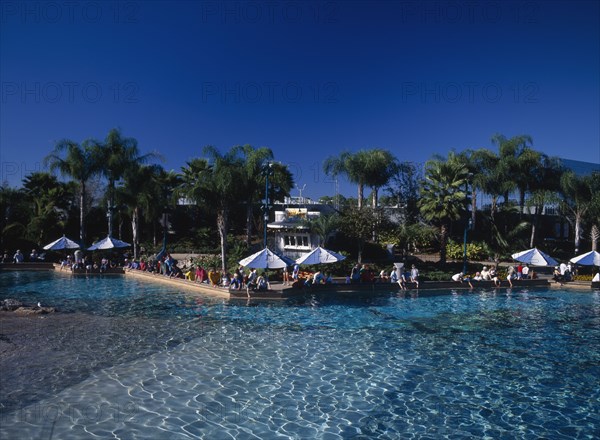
(154, 363)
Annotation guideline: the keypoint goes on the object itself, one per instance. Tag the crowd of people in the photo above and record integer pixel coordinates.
(251, 280)
(240, 279)
(19, 257)
(520, 272)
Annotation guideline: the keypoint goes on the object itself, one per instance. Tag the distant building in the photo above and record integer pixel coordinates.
(580, 168)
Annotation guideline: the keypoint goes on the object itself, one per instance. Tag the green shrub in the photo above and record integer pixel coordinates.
(208, 261)
(475, 250)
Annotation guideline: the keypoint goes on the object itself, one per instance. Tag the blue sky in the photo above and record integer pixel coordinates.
(307, 79)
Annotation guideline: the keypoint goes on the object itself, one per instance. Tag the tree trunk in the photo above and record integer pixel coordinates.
(154, 231)
(577, 232)
(248, 224)
(82, 214)
(443, 241)
(534, 223)
(360, 195)
(494, 207)
(594, 235)
(110, 207)
(121, 227)
(135, 225)
(374, 203)
(360, 250)
(473, 208)
(521, 203)
(222, 227)
(375, 199)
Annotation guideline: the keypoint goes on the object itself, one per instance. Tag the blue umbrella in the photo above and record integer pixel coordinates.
(591, 258)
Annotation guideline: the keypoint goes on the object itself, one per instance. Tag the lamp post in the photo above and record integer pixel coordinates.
(267, 170)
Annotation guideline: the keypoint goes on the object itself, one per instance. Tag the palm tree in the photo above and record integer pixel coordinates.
(442, 196)
(594, 211)
(80, 163)
(325, 226)
(116, 154)
(577, 199)
(214, 182)
(517, 158)
(166, 184)
(372, 168)
(488, 177)
(350, 165)
(404, 189)
(49, 201)
(14, 214)
(139, 193)
(379, 167)
(544, 186)
(254, 162)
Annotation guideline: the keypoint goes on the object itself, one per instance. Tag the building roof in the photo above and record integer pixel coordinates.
(580, 168)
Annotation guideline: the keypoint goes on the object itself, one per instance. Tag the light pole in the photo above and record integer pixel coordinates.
(267, 170)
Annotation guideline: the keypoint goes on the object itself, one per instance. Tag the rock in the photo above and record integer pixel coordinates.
(29, 311)
(10, 304)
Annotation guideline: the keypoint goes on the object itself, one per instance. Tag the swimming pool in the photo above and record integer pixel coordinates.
(137, 360)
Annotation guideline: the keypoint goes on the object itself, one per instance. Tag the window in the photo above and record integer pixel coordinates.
(297, 241)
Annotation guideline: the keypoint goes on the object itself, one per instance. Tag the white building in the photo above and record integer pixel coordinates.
(291, 234)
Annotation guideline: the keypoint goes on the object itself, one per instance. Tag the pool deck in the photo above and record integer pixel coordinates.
(279, 291)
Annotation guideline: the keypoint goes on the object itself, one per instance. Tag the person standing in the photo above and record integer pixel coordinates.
(286, 276)
(520, 271)
(295, 272)
(510, 274)
(18, 257)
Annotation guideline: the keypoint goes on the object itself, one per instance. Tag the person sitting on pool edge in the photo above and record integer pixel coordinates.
(460, 277)
(414, 275)
(236, 282)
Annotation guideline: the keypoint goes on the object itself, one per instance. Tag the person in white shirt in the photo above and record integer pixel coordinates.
(563, 269)
(459, 277)
(485, 274)
(414, 275)
(525, 272)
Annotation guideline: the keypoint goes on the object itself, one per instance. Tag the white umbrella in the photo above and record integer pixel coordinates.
(320, 256)
(60, 244)
(265, 259)
(108, 243)
(535, 257)
(591, 258)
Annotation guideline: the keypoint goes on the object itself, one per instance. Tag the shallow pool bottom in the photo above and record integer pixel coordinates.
(470, 365)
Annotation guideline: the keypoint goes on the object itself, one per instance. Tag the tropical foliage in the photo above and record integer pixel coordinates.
(219, 201)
